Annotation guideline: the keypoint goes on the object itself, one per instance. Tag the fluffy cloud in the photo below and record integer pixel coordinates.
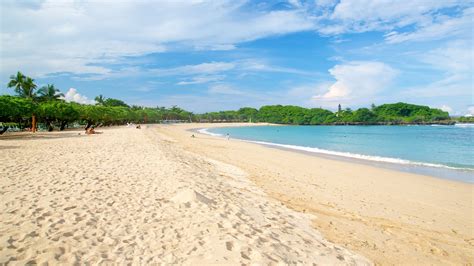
(77, 36)
(82, 37)
(73, 96)
(357, 82)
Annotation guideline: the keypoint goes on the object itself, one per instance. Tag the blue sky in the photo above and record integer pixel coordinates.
(221, 55)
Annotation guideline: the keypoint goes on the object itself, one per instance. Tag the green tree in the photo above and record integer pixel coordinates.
(59, 112)
(364, 116)
(321, 116)
(15, 110)
(91, 114)
(24, 86)
(49, 93)
(113, 102)
(16, 82)
(247, 114)
(100, 100)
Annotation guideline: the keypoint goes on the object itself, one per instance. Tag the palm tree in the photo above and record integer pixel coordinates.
(49, 93)
(16, 82)
(25, 87)
(100, 99)
(29, 88)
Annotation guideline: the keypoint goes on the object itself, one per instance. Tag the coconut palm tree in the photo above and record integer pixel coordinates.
(100, 99)
(17, 81)
(49, 93)
(25, 87)
(29, 88)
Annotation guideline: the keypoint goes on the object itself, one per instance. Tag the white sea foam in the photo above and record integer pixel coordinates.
(343, 154)
(467, 125)
(205, 131)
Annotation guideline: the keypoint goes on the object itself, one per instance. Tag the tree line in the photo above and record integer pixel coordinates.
(47, 107)
(393, 114)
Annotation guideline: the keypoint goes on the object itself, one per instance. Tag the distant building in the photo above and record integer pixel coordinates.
(339, 109)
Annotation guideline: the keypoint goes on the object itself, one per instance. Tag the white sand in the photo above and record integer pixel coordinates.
(390, 217)
(134, 196)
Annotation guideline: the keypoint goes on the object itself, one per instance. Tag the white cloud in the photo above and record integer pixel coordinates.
(261, 65)
(201, 80)
(208, 72)
(470, 110)
(74, 36)
(446, 108)
(204, 68)
(453, 57)
(224, 89)
(441, 28)
(73, 96)
(82, 36)
(454, 62)
(380, 15)
(205, 72)
(356, 82)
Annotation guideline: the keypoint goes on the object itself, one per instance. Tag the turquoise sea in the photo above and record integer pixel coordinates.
(443, 151)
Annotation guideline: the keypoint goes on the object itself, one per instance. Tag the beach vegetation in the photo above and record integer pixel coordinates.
(57, 113)
(99, 99)
(396, 113)
(24, 86)
(15, 111)
(114, 102)
(49, 93)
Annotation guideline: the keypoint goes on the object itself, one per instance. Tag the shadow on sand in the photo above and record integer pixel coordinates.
(40, 135)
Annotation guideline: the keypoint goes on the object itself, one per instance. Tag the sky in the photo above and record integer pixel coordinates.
(223, 55)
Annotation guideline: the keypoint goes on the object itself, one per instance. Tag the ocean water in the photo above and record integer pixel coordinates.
(443, 151)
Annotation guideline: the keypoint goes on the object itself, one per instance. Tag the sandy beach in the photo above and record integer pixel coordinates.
(144, 197)
(388, 216)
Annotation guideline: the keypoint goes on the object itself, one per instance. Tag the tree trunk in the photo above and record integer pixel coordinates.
(4, 129)
(50, 126)
(33, 124)
(89, 124)
(63, 125)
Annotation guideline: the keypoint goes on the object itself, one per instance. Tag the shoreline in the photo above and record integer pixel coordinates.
(389, 216)
(465, 175)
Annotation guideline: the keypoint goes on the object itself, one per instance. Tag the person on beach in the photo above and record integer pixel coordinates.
(90, 131)
(138, 126)
(227, 136)
(192, 136)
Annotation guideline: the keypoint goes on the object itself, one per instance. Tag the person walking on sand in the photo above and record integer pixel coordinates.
(227, 136)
